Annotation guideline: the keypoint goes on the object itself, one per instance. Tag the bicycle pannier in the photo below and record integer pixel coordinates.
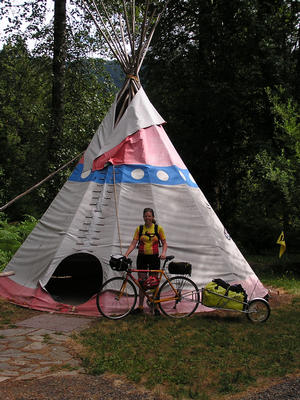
(119, 263)
(180, 268)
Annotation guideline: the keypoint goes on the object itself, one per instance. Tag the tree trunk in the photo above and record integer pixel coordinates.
(59, 66)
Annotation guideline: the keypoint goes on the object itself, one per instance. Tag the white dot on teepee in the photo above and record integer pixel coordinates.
(182, 175)
(137, 174)
(191, 178)
(162, 175)
(85, 174)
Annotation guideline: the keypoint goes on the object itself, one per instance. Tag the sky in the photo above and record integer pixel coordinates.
(12, 11)
(50, 13)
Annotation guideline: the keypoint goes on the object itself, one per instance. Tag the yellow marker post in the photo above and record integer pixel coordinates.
(281, 242)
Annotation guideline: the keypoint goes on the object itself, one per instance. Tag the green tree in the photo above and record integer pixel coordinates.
(269, 195)
(24, 116)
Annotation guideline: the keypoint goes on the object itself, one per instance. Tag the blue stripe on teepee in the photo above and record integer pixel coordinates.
(136, 174)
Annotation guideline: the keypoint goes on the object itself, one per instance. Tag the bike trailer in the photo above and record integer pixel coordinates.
(220, 294)
(180, 268)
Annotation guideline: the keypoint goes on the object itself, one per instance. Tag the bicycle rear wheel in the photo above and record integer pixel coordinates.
(116, 298)
(258, 310)
(182, 305)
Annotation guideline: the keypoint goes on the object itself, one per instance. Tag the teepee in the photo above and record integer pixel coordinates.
(130, 164)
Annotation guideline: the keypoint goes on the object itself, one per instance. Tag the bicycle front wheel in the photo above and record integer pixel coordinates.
(179, 297)
(116, 298)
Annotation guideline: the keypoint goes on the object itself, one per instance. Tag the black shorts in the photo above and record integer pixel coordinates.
(145, 261)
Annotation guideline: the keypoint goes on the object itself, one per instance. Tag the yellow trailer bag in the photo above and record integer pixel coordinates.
(217, 296)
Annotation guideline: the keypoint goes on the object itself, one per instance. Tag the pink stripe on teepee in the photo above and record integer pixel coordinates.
(149, 146)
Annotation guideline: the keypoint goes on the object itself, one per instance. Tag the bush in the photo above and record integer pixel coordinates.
(12, 235)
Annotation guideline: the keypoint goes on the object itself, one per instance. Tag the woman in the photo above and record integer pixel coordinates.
(147, 238)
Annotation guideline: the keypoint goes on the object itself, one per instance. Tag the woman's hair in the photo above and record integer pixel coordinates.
(151, 211)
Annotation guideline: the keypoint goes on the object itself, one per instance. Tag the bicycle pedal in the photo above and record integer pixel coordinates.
(150, 304)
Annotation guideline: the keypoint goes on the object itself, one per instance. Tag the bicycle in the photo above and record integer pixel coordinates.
(177, 296)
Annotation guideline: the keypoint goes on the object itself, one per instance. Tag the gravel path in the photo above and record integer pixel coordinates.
(287, 390)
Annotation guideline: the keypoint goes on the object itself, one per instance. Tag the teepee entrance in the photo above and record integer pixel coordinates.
(76, 279)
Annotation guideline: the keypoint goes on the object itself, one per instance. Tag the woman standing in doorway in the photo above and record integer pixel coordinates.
(147, 238)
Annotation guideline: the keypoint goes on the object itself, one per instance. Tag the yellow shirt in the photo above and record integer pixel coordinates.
(148, 241)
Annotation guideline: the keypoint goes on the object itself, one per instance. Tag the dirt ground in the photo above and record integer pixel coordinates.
(87, 387)
(78, 387)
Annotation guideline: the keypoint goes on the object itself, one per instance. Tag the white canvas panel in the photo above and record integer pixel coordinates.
(194, 232)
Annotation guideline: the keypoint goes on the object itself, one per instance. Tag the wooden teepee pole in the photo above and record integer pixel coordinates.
(128, 47)
(40, 183)
(128, 28)
(117, 39)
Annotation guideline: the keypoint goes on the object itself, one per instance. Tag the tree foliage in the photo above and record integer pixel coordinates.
(25, 121)
(24, 116)
(270, 190)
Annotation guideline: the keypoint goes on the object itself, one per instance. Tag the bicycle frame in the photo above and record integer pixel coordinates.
(151, 298)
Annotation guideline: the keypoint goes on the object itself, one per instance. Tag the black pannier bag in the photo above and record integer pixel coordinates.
(180, 268)
(119, 263)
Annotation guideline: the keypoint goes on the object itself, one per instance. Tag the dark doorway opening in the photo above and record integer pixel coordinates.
(76, 279)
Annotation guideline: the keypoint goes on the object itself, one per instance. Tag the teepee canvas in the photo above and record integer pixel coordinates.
(130, 164)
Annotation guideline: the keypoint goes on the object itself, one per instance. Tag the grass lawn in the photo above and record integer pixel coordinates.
(10, 314)
(207, 356)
